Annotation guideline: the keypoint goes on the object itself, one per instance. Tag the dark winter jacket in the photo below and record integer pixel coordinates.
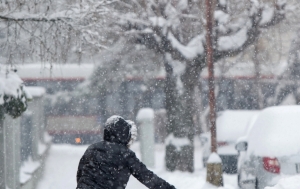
(109, 163)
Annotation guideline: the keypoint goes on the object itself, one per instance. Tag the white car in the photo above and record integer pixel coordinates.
(271, 148)
(231, 124)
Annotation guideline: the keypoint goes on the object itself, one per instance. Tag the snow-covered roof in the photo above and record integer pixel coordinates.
(57, 71)
(36, 91)
(232, 124)
(275, 133)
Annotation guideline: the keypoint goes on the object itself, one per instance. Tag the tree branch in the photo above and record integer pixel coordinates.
(37, 19)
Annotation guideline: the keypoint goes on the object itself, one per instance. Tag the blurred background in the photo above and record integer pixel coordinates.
(67, 66)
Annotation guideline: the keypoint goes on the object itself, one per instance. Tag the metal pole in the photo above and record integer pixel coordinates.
(211, 84)
(257, 78)
(214, 167)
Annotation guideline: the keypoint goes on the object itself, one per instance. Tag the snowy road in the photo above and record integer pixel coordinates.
(61, 167)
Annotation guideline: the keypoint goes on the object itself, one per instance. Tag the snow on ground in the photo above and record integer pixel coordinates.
(61, 167)
(63, 159)
(287, 183)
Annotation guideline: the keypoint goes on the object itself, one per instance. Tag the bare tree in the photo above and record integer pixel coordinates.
(51, 31)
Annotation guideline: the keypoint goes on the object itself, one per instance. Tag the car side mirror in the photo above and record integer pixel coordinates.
(241, 146)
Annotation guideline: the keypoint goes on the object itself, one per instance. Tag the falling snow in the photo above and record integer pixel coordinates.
(70, 67)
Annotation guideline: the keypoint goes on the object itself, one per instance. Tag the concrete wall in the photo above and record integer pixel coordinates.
(12, 152)
(34, 107)
(35, 110)
(10, 147)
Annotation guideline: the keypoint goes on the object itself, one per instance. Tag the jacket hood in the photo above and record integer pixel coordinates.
(117, 130)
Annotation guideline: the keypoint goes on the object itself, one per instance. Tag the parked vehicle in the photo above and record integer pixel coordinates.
(231, 124)
(271, 148)
(74, 129)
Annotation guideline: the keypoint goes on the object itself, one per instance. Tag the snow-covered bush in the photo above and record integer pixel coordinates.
(13, 95)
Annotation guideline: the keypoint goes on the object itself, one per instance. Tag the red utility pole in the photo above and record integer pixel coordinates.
(210, 65)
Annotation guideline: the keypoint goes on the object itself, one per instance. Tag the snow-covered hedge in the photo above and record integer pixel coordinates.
(13, 95)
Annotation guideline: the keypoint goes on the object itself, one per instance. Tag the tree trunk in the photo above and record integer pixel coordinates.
(102, 106)
(187, 154)
(257, 81)
(172, 109)
(214, 170)
(180, 112)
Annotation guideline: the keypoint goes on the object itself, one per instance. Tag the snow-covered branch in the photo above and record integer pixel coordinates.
(182, 37)
(50, 31)
(237, 36)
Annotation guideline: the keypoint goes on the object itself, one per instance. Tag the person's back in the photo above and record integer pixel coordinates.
(109, 163)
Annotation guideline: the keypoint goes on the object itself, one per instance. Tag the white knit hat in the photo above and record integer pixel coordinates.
(132, 131)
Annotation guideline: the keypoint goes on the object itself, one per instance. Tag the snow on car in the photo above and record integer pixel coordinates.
(271, 148)
(231, 124)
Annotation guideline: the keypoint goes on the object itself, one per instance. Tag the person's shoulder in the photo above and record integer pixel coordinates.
(109, 146)
(96, 146)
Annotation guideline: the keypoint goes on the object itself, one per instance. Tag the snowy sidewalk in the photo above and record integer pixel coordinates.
(61, 168)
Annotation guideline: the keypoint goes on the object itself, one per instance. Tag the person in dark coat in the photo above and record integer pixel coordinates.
(108, 164)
